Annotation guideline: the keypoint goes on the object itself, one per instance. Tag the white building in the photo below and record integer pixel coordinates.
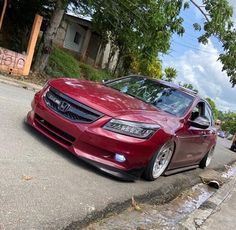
(76, 34)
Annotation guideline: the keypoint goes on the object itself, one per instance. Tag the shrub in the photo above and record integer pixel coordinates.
(63, 64)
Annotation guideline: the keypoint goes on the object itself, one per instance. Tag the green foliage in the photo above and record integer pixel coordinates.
(150, 68)
(186, 5)
(90, 73)
(218, 22)
(62, 63)
(229, 122)
(197, 26)
(188, 86)
(138, 28)
(170, 74)
(213, 107)
(228, 57)
(220, 115)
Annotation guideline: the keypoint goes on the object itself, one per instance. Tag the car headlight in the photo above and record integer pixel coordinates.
(134, 129)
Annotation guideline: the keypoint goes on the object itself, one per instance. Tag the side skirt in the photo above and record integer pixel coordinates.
(174, 171)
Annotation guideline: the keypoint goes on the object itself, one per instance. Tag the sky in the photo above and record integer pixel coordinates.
(197, 64)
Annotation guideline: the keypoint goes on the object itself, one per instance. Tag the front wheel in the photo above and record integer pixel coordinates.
(159, 162)
(207, 159)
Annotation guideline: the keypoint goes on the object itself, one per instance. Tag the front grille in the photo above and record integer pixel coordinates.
(70, 108)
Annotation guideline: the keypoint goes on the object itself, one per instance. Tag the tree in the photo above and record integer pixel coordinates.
(188, 86)
(218, 23)
(213, 107)
(140, 29)
(229, 122)
(170, 74)
(50, 33)
(149, 68)
(137, 28)
(221, 115)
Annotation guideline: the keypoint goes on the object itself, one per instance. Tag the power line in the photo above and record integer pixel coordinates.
(192, 47)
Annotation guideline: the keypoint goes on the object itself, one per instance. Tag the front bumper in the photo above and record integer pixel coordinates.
(91, 142)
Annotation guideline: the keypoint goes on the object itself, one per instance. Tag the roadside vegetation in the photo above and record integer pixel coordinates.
(228, 121)
(140, 30)
(63, 63)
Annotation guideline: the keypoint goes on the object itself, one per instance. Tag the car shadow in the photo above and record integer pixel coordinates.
(64, 153)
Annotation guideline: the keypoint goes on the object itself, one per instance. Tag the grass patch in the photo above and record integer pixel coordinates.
(90, 73)
(63, 63)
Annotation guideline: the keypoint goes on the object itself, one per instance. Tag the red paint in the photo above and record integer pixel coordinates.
(95, 143)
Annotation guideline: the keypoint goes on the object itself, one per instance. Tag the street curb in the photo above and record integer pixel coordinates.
(19, 83)
(162, 195)
(159, 196)
(198, 217)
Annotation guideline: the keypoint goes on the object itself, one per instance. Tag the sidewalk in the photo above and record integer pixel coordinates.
(224, 215)
(218, 212)
(19, 83)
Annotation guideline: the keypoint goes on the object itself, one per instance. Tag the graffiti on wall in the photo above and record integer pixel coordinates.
(10, 60)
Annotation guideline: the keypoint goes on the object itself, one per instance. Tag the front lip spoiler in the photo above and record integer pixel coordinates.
(130, 175)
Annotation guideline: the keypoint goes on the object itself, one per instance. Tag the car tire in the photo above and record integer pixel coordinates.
(233, 147)
(159, 162)
(207, 158)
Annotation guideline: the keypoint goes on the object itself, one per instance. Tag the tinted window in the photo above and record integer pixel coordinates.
(163, 97)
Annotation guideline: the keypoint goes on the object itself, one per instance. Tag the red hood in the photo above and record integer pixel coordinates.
(100, 97)
(110, 101)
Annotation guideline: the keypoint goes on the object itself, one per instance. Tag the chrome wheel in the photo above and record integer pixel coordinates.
(209, 156)
(162, 159)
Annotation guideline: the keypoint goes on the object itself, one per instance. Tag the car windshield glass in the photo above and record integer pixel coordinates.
(161, 96)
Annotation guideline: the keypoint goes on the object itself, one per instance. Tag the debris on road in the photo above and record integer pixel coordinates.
(135, 205)
(212, 178)
(24, 177)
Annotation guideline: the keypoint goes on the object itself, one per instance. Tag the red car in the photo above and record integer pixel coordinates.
(127, 127)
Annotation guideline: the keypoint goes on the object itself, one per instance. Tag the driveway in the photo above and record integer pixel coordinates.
(42, 186)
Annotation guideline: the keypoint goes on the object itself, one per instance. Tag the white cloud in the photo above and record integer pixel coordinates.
(201, 68)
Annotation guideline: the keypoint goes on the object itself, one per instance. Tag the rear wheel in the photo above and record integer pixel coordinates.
(233, 147)
(159, 162)
(207, 159)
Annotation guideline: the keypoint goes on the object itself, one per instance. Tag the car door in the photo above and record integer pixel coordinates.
(190, 141)
(209, 134)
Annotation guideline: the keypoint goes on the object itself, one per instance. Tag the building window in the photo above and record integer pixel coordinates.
(77, 38)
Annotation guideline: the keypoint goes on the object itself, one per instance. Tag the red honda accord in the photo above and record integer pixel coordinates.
(128, 127)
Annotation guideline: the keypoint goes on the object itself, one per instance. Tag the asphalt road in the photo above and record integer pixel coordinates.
(42, 186)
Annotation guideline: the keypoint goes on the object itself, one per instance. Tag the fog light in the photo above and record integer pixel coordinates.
(120, 157)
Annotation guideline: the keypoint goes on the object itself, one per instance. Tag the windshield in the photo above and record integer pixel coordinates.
(161, 96)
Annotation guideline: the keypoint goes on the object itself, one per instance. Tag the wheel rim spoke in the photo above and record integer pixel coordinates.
(209, 157)
(162, 160)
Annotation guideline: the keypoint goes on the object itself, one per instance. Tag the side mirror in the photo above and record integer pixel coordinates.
(200, 122)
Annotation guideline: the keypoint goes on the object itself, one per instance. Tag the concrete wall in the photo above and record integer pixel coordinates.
(106, 56)
(11, 62)
(16, 63)
(89, 47)
(69, 43)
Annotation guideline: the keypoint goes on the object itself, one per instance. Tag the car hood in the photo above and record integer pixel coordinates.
(110, 101)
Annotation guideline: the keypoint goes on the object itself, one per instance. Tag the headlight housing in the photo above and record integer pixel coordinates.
(133, 129)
